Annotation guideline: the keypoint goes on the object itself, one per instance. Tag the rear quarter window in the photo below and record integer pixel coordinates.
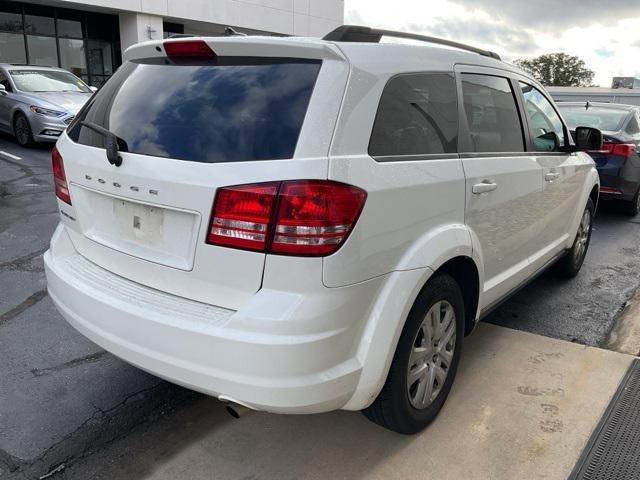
(228, 110)
(417, 115)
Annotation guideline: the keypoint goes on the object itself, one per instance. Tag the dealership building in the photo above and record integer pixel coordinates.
(88, 37)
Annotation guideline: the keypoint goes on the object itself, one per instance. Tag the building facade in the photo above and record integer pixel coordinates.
(88, 37)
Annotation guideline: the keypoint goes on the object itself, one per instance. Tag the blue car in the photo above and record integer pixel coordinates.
(618, 162)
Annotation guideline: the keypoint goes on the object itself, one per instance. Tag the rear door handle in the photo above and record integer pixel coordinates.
(551, 176)
(484, 187)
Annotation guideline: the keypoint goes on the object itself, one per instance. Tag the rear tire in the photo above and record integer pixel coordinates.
(632, 207)
(426, 360)
(22, 131)
(569, 265)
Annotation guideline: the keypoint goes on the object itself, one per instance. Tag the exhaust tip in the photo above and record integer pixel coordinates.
(232, 411)
(236, 410)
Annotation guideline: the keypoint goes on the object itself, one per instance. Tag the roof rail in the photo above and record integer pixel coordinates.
(355, 33)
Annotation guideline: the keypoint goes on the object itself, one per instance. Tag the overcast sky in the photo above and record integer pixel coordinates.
(605, 34)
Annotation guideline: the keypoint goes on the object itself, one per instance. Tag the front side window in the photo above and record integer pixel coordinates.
(545, 124)
(417, 115)
(47, 81)
(492, 114)
(229, 110)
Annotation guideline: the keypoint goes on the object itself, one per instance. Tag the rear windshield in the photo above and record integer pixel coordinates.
(233, 109)
(602, 118)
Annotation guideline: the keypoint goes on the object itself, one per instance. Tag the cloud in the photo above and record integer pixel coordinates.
(554, 16)
(500, 36)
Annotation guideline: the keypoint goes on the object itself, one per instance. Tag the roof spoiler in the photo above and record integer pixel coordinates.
(355, 33)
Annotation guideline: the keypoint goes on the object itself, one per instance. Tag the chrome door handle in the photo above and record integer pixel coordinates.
(484, 187)
(551, 176)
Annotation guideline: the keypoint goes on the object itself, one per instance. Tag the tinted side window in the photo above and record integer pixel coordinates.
(544, 122)
(633, 128)
(417, 115)
(492, 114)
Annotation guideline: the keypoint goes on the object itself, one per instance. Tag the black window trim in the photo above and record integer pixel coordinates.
(414, 157)
(462, 116)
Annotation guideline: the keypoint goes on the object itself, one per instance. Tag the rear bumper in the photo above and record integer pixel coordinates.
(208, 348)
(614, 185)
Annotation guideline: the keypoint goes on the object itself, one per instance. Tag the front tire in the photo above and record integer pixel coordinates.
(426, 360)
(569, 265)
(22, 131)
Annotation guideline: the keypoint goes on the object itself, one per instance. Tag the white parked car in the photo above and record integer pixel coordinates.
(300, 225)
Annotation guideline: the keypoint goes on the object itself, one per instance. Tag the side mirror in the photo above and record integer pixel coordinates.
(588, 139)
(3, 89)
(93, 89)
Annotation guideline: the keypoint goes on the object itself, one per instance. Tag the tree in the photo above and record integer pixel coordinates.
(558, 70)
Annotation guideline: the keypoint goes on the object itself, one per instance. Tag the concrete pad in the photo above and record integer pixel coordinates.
(523, 406)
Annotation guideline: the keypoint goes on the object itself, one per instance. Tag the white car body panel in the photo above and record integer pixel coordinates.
(291, 334)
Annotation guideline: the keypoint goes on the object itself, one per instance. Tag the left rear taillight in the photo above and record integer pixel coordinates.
(294, 217)
(59, 177)
(622, 149)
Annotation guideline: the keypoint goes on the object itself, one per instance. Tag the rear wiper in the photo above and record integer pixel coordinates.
(112, 143)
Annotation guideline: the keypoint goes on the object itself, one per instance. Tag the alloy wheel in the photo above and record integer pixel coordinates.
(22, 130)
(582, 237)
(431, 355)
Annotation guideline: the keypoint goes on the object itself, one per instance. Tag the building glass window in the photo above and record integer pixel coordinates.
(10, 20)
(72, 56)
(39, 24)
(84, 43)
(70, 24)
(12, 48)
(42, 51)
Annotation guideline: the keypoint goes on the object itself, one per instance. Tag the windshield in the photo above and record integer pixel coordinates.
(602, 118)
(47, 81)
(236, 109)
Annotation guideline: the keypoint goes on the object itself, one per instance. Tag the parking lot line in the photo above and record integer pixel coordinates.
(9, 155)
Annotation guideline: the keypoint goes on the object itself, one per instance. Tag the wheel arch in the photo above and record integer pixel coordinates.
(465, 272)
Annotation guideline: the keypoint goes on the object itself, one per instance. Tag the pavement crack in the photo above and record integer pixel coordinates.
(18, 262)
(91, 358)
(26, 304)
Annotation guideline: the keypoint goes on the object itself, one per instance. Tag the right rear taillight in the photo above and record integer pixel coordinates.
(294, 217)
(59, 178)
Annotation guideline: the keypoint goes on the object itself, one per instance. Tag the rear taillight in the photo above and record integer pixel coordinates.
(241, 216)
(622, 149)
(59, 178)
(188, 48)
(296, 217)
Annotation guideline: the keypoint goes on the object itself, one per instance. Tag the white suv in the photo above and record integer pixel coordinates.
(300, 225)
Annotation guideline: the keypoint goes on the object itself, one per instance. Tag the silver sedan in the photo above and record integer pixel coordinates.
(37, 103)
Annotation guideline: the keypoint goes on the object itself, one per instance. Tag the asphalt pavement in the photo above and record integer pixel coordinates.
(62, 397)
